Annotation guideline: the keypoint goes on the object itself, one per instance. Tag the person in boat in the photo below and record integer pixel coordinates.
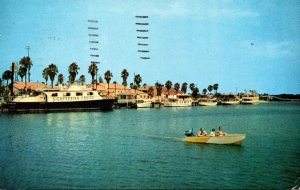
(212, 133)
(189, 133)
(202, 132)
(220, 132)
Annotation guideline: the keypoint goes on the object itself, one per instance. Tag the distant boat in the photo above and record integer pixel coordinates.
(74, 98)
(234, 139)
(250, 98)
(180, 100)
(229, 99)
(143, 103)
(125, 100)
(207, 101)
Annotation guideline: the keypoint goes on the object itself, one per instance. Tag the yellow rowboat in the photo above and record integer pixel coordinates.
(235, 139)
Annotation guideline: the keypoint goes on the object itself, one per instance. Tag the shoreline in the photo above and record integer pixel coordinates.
(5, 110)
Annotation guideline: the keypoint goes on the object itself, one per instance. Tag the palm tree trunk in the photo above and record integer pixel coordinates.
(108, 89)
(29, 74)
(25, 88)
(93, 82)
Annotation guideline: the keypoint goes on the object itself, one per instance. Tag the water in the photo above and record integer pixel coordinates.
(143, 149)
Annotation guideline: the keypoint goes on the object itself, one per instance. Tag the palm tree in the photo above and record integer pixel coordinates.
(195, 92)
(22, 72)
(150, 91)
(108, 75)
(6, 75)
(1, 88)
(192, 86)
(60, 78)
(124, 75)
(158, 87)
(204, 91)
(73, 70)
(132, 86)
(210, 88)
(15, 67)
(115, 83)
(82, 79)
(215, 87)
(184, 87)
(26, 62)
(137, 81)
(176, 87)
(46, 74)
(93, 69)
(124, 83)
(100, 79)
(168, 85)
(52, 72)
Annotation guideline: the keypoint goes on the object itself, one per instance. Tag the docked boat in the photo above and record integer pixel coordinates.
(250, 98)
(144, 103)
(234, 139)
(229, 99)
(126, 100)
(73, 98)
(180, 100)
(207, 101)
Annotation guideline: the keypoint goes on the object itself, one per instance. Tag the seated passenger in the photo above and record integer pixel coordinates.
(202, 132)
(212, 133)
(220, 132)
(189, 133)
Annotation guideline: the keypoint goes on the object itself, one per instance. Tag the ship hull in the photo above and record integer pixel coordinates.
(104, 104)
(171, 104)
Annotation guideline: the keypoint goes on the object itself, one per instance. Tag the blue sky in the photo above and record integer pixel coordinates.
(241, 45)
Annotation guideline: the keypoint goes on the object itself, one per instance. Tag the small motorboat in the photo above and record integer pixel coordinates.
(234, 139)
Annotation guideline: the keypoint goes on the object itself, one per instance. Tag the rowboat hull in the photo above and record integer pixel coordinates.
(235, 139)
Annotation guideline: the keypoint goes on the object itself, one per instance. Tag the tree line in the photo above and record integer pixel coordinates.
(51, 71)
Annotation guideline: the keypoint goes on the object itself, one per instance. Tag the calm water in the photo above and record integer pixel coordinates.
(142, 149)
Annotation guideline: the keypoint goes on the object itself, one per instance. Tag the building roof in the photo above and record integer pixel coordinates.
(30, 85)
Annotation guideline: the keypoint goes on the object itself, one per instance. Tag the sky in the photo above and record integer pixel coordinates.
(239, 44)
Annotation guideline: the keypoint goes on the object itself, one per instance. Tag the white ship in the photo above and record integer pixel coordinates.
(180, 100)
(250, 98)
(73, 98)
